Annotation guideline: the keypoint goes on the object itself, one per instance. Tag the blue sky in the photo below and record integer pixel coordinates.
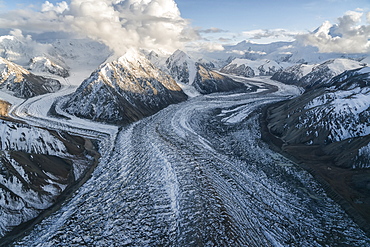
(236, 15)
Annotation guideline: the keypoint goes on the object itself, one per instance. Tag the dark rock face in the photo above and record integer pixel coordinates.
(37, 167)
(207, 82)
(23, 84)
(124, 91)
(241, 70)
(186, 71)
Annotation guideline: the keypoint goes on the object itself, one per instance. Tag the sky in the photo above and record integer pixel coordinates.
(206, 23)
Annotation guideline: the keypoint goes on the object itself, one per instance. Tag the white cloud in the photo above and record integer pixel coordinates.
(212, 30)
(59, 7)
(205, 46)
(120, 24)
(269, 33)
(210, 46)
(348, 36)
(368, 17)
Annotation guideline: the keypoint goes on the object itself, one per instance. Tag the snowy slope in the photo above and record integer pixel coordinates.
(182, 68)
(123, 91)
(309, 76)
(159, 61)
(293, 74)
(19, 82)
(36, 167)
(331, 117)
(322, 73)
(43, 64)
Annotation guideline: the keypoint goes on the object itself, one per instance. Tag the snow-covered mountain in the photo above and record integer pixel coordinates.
(207, 81)
(62, 57)
(249, 68)
(36, 167)
(322, 73)
(124, 91)
(281, 52)
(293, 74)
(190, 74)
(334, 118)
(182, 68)
(21, 83)
(309, 76)
(43, 64)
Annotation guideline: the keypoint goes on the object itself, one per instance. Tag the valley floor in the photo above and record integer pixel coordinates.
(194, 174)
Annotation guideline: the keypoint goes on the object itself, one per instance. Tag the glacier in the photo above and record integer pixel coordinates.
(188, 177)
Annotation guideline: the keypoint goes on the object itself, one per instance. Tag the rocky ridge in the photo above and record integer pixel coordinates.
(124, 91)
(199, 75)
(23, 84)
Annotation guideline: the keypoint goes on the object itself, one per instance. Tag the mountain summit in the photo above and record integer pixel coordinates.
(124, 91)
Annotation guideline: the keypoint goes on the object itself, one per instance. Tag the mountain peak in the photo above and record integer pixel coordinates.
(327, 29)
(132, 55)
(180, 54)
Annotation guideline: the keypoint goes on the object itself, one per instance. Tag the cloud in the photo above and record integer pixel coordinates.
(368, 17)
(212, 30)
(120, 24)
(347, 36)
(27, 46)
(200, 46)
(269, 33)
(222, 39)
(58, 8)
(211, 46)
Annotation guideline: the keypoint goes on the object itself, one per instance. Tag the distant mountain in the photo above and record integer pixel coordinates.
(124, 91)
(322, 73)
(187, 73)
(254, 51)
(293, 74)
(43, 64)
(249, 68)
(309, 76)
(61, 57)
(21, 83)
(294, 52)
